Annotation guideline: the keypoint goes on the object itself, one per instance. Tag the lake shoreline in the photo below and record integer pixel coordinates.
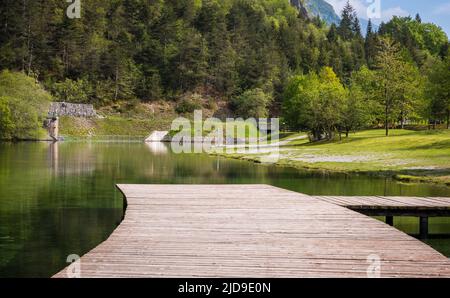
(367, 148)
(394, 175)
(408, 157)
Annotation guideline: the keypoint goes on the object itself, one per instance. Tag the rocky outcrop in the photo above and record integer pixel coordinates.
(58, 109)
(158, 136)
(52, 127)
(323, 9)
(300, 7)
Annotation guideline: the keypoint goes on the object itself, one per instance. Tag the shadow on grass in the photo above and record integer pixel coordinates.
(436, 145)
(337, 141)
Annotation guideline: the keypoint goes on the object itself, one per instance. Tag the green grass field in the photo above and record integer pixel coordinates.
(410, 156)
(237, 129)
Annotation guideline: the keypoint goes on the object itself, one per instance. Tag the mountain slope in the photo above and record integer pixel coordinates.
(300, 7)
(323, 9)
(326, 12)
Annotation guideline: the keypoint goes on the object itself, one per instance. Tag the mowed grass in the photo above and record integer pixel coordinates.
(234, 129)
(373, 151)
(411, 156)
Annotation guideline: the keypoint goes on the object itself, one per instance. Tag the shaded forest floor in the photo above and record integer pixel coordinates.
(408, 156)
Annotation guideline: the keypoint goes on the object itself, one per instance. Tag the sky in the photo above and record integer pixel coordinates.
(432, 11)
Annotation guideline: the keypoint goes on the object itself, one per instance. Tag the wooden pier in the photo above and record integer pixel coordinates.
(391, 207)
(252, 231)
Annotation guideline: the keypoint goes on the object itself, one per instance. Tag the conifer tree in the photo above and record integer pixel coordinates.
(418, 18)
(370, 44)
(346, 27)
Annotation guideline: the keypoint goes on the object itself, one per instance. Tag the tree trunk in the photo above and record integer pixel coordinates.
(330, 134)
(386, 112)
(402, 120)
(30, 60)
(116, 91)
(29, 46)
(316, 135)
(386, 120)
(448, 118)
(24, 10)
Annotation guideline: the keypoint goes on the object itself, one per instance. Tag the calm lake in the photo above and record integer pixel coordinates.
(60, 199)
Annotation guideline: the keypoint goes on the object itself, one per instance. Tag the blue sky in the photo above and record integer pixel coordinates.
(433, 11)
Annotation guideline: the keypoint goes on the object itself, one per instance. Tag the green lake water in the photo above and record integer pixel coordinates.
(60, 199)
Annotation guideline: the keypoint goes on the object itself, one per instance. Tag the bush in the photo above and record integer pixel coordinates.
(6, 123)
(127, 108)
(27, 123)
(252, 103)
(104, 92)
(189, 104)
(79, 91)
(24, 88)
(150, 88)
(23, 106)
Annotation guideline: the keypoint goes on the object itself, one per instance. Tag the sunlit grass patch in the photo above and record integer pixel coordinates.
(410, 156)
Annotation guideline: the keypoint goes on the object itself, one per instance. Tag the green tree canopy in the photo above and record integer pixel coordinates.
(252, 104)
(23, 105)
(438, 90)
(314, 103)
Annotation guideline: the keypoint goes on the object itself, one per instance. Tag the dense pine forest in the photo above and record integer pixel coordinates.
(264, 56)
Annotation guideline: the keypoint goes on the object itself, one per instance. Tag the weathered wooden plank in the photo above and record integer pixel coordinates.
(397, 202)
(254, 231)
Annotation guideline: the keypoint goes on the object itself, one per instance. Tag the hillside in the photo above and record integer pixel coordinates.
(322, 9)
(240, 52)
(326, 12)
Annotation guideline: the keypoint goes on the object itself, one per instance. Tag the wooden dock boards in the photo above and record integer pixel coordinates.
(251, 231)
(393, 206)
(388, 202)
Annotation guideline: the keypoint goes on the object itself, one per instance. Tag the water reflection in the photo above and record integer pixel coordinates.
(158, 148)
(53, 156)
(76, 162)
(60, 199)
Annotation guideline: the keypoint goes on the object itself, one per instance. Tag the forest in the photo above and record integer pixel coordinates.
(263, 57)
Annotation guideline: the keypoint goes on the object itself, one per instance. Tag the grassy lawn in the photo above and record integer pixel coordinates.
(410, 156)
(239, 129)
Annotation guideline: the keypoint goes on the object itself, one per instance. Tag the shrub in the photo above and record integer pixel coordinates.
(79, 91)
(150, 88)
(252, 103)
(189, 104)
(6, 123)
(26, 89)
(23, 106)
